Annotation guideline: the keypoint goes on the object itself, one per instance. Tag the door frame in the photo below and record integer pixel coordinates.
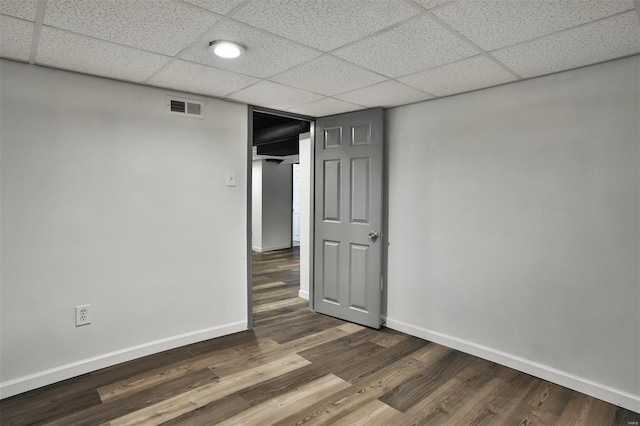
(251, 109)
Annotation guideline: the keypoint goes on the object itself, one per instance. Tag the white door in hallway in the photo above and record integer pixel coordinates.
(296, 206)
(348, 216)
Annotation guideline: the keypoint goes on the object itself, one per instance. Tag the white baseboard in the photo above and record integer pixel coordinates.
(271, 248)
(571, 381)
(303, 294)
(67, 371)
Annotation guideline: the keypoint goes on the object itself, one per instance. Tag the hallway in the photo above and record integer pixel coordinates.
(276, 281)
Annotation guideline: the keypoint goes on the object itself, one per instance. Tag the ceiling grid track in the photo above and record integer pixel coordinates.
(37, 29)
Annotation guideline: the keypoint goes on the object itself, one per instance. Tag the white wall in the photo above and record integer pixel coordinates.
(514, 226)
(276, 189)
(256, 204)
(306, 212)
(108, 200)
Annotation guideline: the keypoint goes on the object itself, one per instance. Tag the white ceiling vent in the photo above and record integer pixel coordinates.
(185, 107)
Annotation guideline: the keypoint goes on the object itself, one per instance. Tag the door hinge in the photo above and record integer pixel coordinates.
(381, 283)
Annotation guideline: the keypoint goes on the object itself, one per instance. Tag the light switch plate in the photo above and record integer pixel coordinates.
(231, 178)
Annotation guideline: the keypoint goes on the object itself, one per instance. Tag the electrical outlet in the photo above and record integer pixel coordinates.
(83, 315)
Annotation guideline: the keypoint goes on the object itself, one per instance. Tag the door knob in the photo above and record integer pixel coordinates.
(373, 236)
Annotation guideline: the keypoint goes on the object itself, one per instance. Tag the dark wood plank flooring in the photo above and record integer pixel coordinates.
(297, 367)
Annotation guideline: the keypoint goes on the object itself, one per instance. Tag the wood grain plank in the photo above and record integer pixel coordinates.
(136, 383)
(431, 353)
(388, 338)
(284, 383)
(357, 395)
(274, 296)
(280, 304)
(496, 400)
(447, 400)
(50, 403)
(268, 285)
(105, 412)
(230, 340)
(281, 406)
(301, 328)
(346, 343)
(422, 385)
(277, 316)
(315, 339)
(357, 369)
(211, 413)
(372, 413)
(203, 395)
(542, 405)
(624, 417)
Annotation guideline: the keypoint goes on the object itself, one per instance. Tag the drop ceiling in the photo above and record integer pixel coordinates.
(320, 57)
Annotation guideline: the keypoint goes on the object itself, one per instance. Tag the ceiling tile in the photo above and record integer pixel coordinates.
(24, 9)
(265, 56)
(462, 76)
(324, 107)
(324, 24)
(596, 42)
(408, 48)
(430, 4)
(274, 95)
(386, 94)
(218, 6)
(15, 38)
(200, 79)
(153, 25)
(494, 24)
(62, 49)
(328, 76)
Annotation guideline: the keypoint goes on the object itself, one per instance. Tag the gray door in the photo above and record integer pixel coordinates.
(348, 216)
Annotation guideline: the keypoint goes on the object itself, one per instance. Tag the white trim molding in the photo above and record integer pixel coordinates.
(303, 294)
(67, 371)
(562, 378)
(272, 248)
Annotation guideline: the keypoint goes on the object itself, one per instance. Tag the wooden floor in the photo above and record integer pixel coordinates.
(300, 368)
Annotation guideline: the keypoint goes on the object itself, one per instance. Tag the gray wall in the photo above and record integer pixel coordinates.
(271, 221)
(108, 200)
(514, 223)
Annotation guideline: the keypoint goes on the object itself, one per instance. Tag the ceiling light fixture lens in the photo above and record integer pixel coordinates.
(226, 49)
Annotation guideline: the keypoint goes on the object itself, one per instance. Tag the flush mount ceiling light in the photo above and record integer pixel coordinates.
(226, 49)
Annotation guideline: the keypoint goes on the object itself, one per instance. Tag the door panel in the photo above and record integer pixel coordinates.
(331, 271)
(358, 269)
(348, 208)
(332, 190)
(360, 179)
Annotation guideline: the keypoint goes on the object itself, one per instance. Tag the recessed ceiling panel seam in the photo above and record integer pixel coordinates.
(228, 95)
(15, 17)
(103, 40)
(198, 8)
(470, 43)
(199, 39)
(382, 31)
(41, 9)
(238, 8)
(263, 31)
(562, 31)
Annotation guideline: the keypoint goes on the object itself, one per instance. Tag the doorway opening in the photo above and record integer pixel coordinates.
(280, 206)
